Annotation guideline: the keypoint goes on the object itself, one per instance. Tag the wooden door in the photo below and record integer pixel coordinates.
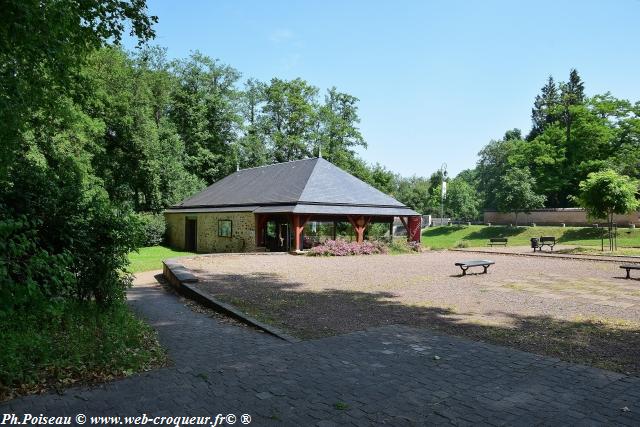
(190, 235)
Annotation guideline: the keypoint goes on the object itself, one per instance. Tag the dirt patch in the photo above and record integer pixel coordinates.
(576, 310)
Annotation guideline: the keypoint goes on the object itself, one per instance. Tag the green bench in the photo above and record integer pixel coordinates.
(546, 241)
(500, 241)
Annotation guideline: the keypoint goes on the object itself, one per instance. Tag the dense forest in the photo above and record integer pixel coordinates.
(572, 135)
(170, 127)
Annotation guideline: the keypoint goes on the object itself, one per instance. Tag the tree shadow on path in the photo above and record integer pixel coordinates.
(311, 314)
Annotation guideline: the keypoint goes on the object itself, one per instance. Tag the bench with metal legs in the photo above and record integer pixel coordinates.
(465, 265)
(630, 267)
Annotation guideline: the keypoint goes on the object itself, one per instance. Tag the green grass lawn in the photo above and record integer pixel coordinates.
(478, 235)
(150, 258)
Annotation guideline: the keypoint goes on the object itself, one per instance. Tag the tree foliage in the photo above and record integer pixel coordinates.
(515, 192)
(462, 201)
(572, 135)
(606, 193)
(43, 46)
(54, 210)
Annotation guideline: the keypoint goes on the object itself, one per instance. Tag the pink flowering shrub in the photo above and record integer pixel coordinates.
(343, 248)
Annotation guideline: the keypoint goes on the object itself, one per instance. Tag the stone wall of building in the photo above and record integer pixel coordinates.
(175, 229)
(568, 216)
(243, 230)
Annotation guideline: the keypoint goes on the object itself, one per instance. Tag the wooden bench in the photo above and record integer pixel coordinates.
(630, 267)
(465, 265)
(546, 241)
(498, 241)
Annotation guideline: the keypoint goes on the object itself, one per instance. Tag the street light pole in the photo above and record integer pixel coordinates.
(443, 191)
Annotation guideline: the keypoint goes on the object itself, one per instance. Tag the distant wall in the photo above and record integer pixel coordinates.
(568, 216)
(243, 231)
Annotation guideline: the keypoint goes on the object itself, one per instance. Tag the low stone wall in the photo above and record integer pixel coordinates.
(568, 216)
(185, 282)
(177, 274)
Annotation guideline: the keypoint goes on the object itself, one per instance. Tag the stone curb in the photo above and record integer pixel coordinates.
(562, 256)
(184, 281)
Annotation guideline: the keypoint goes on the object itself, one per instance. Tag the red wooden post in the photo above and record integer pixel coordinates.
(261, 221)
(359, 226)
(360, 230)
(413, 228)
(404, 222)
(297, 231)
(298, 227)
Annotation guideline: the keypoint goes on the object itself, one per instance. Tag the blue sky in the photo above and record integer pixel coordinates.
(436, 80)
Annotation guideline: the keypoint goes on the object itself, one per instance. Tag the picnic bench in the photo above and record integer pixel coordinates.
(498, 241)
(630, 267)
(465, 265)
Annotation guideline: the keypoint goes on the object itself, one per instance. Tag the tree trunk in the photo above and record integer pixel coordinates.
(611, 248)
(516, 212)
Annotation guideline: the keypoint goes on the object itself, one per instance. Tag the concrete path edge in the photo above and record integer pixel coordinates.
(185, 282)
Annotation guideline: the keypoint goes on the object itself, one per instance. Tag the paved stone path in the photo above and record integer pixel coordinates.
(392, 375)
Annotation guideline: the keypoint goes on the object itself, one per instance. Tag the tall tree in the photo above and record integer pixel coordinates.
(413, 192)
(572, 97)
(463, 201)
(43, 46)
(253, 141)
(338, 134)
(139, 157)
(290, 119)
(493, 162)
(545, 108)
(515, 192)
(382, 178)
(204, 111)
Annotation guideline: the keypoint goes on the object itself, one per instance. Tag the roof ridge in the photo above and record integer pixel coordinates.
(346, 176)
(279, 163)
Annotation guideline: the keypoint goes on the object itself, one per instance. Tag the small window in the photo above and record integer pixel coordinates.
(224, 228)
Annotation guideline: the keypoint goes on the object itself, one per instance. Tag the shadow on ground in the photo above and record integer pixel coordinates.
(441, 231)
(493, 232)
(582, 234)
(315, 314)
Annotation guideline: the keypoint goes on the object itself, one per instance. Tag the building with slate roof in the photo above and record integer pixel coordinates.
(282, 207)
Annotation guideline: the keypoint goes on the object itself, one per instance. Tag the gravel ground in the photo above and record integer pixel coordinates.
(574, 309)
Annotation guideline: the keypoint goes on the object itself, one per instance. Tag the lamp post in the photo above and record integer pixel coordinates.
(443, 192)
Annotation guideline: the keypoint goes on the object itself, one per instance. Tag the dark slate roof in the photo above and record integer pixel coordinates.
(302, 186)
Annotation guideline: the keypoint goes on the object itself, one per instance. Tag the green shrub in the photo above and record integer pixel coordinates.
(104, 237)
(71, 217)
(401, 246)
(84, 342)
(30, 277)
(153, 227)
